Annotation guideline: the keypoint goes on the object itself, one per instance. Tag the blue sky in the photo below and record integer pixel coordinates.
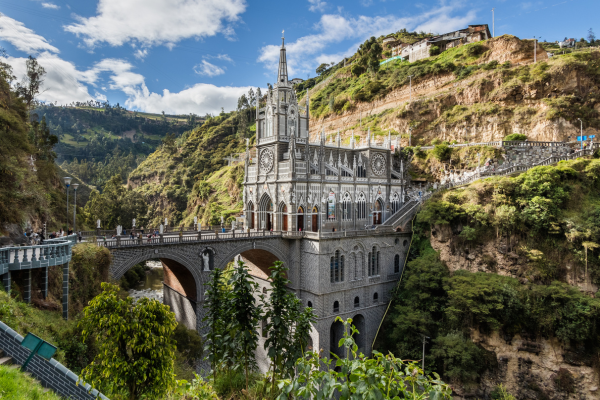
(182, 56)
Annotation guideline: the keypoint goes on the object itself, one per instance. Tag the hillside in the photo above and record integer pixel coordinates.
(31, 191)
(477, 92)
(183, 176)
(503, 276)
(96, 143)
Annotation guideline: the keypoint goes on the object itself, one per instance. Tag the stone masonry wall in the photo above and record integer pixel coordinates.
(51, 374)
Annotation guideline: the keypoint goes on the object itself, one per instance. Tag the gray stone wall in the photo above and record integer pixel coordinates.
(526, 155)
(51, 374)
(183, 307)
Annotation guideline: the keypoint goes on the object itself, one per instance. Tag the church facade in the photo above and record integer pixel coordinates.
(339, 196)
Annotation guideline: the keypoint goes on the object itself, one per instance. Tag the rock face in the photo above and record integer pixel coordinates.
(495, 103)
(529, 367)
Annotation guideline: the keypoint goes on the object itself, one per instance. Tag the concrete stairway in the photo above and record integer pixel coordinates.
(5, 359)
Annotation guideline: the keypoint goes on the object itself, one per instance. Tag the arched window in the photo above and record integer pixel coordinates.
(250, 210)
(265, 213)
(336, 306)
(369, 261)
(374, 261)
(300, 219)
(356, 302)
(336, 267)
(377, 212)
(347, 207)
(309, 304)
(265, 290)
(263, 327)
(395, 203)
(315, 219)
(396, 263)
(375, 297)
(283, 217)
(405, 243)
(361, 204)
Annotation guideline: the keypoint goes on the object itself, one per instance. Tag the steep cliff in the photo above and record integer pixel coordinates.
(503, 277)
(477, 92)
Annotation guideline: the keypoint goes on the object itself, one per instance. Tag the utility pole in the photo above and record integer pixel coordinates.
(581, 130)
(424, 343)
(493, 25)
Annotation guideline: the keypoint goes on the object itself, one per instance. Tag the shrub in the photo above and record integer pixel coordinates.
(458, 358)
(442, 152)
(563, 380)
(515, 136)
(476, 49)
(434, 51)
(357, 70)
(491, 65)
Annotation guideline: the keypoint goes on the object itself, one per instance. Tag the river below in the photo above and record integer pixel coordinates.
(152, 286)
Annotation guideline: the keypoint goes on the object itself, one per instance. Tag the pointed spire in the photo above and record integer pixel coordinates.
(338, 138)
(282, 74)
(389, 139)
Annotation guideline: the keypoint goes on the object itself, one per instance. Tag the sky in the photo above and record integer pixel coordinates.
(197, 56)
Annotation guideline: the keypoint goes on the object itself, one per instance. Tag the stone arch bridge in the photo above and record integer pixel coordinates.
(189, 259)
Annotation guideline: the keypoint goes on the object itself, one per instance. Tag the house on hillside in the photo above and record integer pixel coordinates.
(297, 80)
(567, 43)
(421, 49)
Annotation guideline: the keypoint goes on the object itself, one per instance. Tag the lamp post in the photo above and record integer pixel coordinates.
(581, 131)
(493, 25)
(68, 183)
(75, 186)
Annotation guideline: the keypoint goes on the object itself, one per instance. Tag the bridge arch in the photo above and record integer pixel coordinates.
(259, 252)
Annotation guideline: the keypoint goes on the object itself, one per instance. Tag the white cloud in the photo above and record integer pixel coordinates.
(223, 57)
(140, 54)
(23, 38)
(157, 22)
(317, 5)
(200, 99)
(100, 97)
(208, 69)
(50, 5)
(307, 52)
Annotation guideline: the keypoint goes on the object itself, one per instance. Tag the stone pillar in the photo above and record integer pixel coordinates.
(44, 283)
(6, 280)
(27, 287)
(65, 297)
(161, 240)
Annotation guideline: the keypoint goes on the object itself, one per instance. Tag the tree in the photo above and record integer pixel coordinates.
(358, 377)
(135, 344)
(322, 68)
(591, 36)
(244, 315)
(283, 311)
(587, 246)
(215, 305)
(32, 82)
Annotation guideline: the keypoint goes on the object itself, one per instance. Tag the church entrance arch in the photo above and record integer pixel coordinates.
(283, 217)
(250, 211)
(265, 213)
(336, 332)
(377, 212)
(315, 219)
(300, 219)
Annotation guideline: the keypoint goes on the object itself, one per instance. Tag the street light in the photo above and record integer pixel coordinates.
(68, 180)
(581, 130)
(75, 186)
(493, 25)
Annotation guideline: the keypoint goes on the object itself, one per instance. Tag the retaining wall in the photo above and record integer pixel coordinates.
(51, 374)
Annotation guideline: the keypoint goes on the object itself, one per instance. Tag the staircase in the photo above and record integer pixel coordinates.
(400, 217)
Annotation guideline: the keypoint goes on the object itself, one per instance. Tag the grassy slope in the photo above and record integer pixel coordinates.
(170, 178)
(503, 91)
(15, 385)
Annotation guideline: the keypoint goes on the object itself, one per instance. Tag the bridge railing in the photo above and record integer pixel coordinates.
(51, 252)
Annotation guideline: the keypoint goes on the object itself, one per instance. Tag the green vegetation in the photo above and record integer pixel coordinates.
(16, 385)
(515, 136)
(135, 345)
(552, 213)
(355, 376)
(116, 205)
(187, 177)
(131, 279)
(26, 161)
